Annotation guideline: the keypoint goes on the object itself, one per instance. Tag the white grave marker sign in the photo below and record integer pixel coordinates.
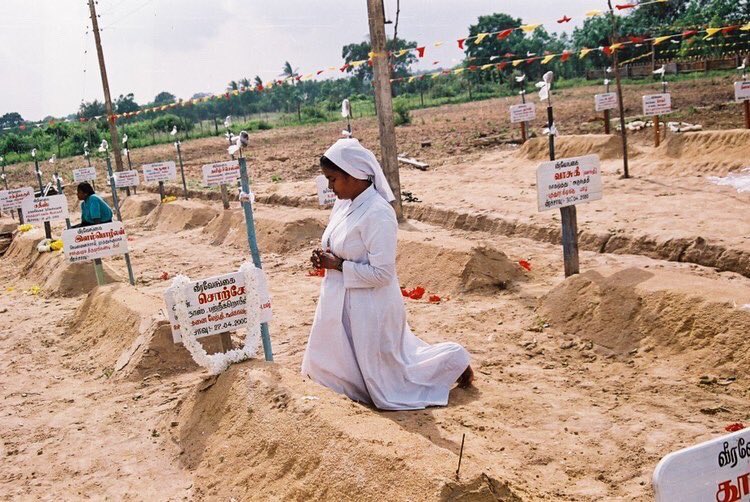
(217, 305)
(742, 91)
(567, 182)
(84, 174)
(657, 104)
(95, 241)
(159, 171)
(41, 209)
(126, 178)
(326, 197)
(523, 112)
(221, 173)
(14, 197)
(717, 470)
(605, 101)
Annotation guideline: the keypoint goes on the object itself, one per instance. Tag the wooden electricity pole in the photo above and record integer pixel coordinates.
(616, 64)
(384, 101)
(114, 138)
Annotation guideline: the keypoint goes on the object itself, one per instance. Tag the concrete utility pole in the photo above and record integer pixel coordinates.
(384, 101)
(621, 106)
(114, 138)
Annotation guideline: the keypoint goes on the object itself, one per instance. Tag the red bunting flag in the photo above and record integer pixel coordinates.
(461, 43)
(565, 56)
(637, 40)
(626, 6)
(502, 65)
(420, 51)
(728, 29)
(319, 72)
(564, 19)
(473, 68)
(689, 33)
(531, 60)
(509, 55)
(343, 68)
(504, 34)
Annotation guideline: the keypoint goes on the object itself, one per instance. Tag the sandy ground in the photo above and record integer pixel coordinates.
(582, 384)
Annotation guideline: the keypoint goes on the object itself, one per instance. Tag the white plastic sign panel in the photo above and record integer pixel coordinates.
(41, 209)
(605, 101)
(567, 182)
(159, 171)
(14, 197)
(221, 173)
(84, 174)
(326, 197)
(523, 112)
(126, 178)
(217, 305)
(95, 241)
(717, 470)
(657, 104)
(742, 91)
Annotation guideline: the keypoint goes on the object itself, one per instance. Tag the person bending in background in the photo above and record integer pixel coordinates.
(93, 208)
(360, 344)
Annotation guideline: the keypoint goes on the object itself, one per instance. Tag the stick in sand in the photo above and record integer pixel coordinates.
(105, 148)
(460, 455)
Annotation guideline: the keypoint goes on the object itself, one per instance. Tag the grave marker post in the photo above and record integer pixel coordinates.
(182, 168)
(47, 225)
(116, 202)
(60, 191)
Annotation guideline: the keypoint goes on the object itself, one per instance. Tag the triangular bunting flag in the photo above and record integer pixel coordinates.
(584, 52)
(461, 43)
(528, 28)
(480, 37)
(517, 62)
(549, 58)
(710, 32)
(420, 51)
(504, 34)
(593, 13)
(659, 40)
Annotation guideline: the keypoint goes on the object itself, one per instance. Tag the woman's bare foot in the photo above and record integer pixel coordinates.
(466, 378)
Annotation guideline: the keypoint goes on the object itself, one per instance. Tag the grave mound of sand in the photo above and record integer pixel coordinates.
(714, 152)
(669, 312)
(261, 431)
(181, 215)
(452, 265)
(138, 205)
(52, 272)
(279, 230)
(118, 330)
(606, 146)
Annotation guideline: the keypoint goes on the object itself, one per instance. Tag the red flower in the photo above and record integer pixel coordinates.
(404, 292)
(164, 276)
(434, 299)
(317, 272)
(525, 264)
(417, 293)
(734, 427)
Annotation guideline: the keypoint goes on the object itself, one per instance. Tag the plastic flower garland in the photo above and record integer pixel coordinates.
(168, 199)
(25, 227)
(218, 363)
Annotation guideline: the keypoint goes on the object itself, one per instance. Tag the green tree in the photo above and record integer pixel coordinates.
(125, 104)
(164, 98)
(10, 119)
(361, 51)
(91, 109)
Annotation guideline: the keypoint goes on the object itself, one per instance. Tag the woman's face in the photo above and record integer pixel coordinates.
(81, 195)
(344, 186)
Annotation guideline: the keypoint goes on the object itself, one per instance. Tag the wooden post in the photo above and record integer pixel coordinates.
(116, 202)
(747, 114)
(161, 191)
(60, 191)
(523, 124)
(621, 105)
(47, 225)
(252, 243)
(384, 101)
(114, 137)
(224, 196)
(657, 136)
(130, 167)
(606, 112)
(99, 271)
(182, 169)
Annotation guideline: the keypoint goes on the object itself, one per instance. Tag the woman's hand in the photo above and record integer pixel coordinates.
(326, 259)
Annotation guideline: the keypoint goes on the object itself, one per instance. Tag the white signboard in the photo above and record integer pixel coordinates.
(524, 112)
(221, 173)
(605, 101)
(217, 305)
(159, 171)
(126, 178)
(717, 470)
(84, 174)
(95, 241)
(13, 198)
(326, 197)
(657, 104)
(41, 209)
(567, 182)
(742, 90)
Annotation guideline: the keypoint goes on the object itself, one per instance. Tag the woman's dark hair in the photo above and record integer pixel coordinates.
(86, 188)
(328, 164)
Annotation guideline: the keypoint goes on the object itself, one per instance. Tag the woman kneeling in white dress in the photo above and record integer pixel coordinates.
(360, 344)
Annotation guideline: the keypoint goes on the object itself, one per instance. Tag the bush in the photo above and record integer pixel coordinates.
(401, 115)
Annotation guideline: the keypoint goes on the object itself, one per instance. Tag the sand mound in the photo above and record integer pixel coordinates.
(669, 312)
(606, 146)
(451, 265)
(181, 215)
(279, 230)
(715, 152)
(259, 432)
(154, 352)
(137, 206)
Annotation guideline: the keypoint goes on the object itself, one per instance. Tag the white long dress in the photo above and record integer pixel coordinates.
(360, 344)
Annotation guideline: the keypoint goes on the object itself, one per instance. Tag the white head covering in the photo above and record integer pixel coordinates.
(360, 163)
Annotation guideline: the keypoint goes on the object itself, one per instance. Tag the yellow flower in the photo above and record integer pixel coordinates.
(169, 198)
(10, 289)
(25, 227)
(34, 290)
(56, 245)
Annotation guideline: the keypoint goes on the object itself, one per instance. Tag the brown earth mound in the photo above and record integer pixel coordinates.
(180, 215)
(715, 152)
(137, 206)
(279, 230)
(606, 146)
(669, 312)
(451, 265)
(259, 431)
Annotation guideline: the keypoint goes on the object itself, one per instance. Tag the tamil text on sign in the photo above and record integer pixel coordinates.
(326, 197)
(523, 112)
(96, 241)
(84, 174)
(13, 198)
(605, 101)
(221, 173)
(657, 104)
(159, 171)
(126, 178)
(41, 209)
(742, 90)
(567, 182)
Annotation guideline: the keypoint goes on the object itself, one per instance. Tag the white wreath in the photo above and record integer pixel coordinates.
(217, 363)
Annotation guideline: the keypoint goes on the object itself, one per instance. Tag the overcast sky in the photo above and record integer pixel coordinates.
(48, 63)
